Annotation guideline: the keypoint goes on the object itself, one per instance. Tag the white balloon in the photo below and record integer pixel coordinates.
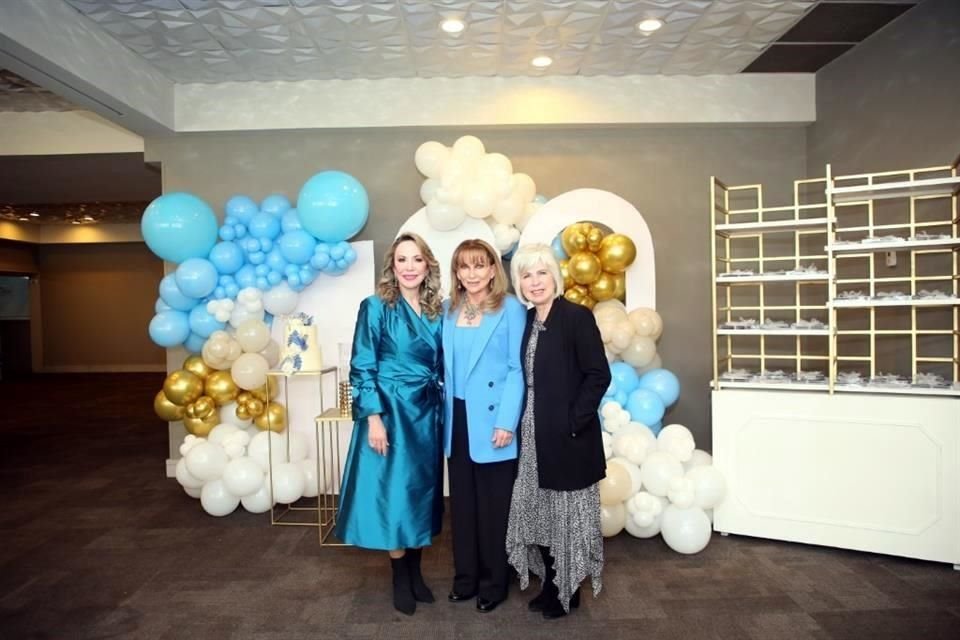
(288, 482)
(267, 446)
(242, 476)
(509, 210)
(677, 440)
(686, 530)
(495, 167)
(658, 470)
(249, 371)
(430, 158)
(612, 519)
(206, 461)
(280, 300)
(429, 189)
(478, 200)
(216, 500)
(709, 486)
(311, 486)
(699, 458)
(643, 531)
(636, 480)
(186, 479)
(220, 432)
(444, 217)
(228, 413)
(241, 314)
(297, 444)
(468, 148)
(193, 493)
(681, 492)
(524, 187)
(258, 502)
(528, 212)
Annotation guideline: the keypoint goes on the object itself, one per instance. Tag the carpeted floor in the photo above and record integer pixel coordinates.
(96, 543)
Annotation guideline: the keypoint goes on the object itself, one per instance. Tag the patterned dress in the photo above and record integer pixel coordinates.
(568, 522)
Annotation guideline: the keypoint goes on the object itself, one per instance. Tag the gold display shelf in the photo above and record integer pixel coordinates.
(895, 245)
(867, 304)
(328, 446)
(780, 277)
(921, 188)
(740, 228)
(773, 332)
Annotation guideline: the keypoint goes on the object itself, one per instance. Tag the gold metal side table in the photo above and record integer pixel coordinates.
(328, 476)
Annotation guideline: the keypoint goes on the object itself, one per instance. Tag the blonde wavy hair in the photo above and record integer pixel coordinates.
(388, 288)
(478, 253)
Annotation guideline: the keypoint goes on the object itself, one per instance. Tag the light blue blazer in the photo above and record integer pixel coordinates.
(494, 386)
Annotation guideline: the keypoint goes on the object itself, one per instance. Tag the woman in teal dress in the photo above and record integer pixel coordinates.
(391, 497)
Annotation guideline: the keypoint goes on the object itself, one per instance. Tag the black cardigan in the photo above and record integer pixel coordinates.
(571, 374)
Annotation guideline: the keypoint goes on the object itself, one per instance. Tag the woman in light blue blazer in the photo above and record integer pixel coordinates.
(483, 380)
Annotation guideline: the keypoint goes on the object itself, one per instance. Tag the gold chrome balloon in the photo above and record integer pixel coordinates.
(202, 407)
(196, 366)
(565, 275)
(274, 418)
(576, 293)
(584, 267)
(244, 397)
(588, 302)
(261, 392)
(619, 286)
(573, 239)
(604, 287)
(617, 252)
(254, 407)
(242, 412)
(165, 409)
(220, 386)
(201, 427)
(594, 237)
(182, 387)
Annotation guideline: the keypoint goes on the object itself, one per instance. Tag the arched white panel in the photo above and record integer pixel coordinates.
(596, 205)
(444, 243)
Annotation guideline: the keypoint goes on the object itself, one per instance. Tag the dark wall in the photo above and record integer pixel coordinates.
(892, 102)
(664, 172)
(64, 179)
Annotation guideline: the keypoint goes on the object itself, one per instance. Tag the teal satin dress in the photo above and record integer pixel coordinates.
(394, 501)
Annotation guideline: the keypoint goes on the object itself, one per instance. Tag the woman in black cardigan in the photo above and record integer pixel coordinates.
(554, 525)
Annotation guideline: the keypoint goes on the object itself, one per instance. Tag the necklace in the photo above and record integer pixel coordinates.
(470, 311)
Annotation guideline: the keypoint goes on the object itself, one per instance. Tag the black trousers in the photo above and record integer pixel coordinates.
(479, 507)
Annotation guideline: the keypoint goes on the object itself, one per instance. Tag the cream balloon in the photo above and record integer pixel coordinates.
(509, 209)
(250, 371)
(444, 217)
(468, 148)
(478, 200)
(647, 322)
(613, 517)
(253, 335)
(429, 189)
(524, 187)
(271, 353)
(615, 486)
(430, 158)
(640, 352)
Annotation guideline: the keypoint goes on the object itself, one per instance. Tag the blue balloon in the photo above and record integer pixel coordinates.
(323, 247)
(350, 255)
(320, 261)
(333, 206)
(246, 277)
(540, 199)
(194, 343)
(219, 293)
(645, 406)
(257, 257)
(227, 257)
(241, 207)
(275, 204)
(274, 278)
(268, 319)
(197, 277)
(239, 230)
(202, 322)
(179, 226)
(624, 376)
(174, 298)
(251, 245)
(231, 290)
(169, 328)
(227, 233)
(655, 427)
(663, 383)
(262, 270)
(275, 260)
(266, 245)
(264, 225)
(512, 250)
(262, 283)
(558, 251)
(290, 221)
(337, 251)
(160, 305)
(620, 397)
(297, 247)
(293, 279)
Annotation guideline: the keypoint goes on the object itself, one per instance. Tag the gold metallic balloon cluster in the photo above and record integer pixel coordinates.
(195, 393)
(594, 272)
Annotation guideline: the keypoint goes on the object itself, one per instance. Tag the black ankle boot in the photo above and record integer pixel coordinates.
(547, 590)
(421, 592)
(555, 610)
(403, 600)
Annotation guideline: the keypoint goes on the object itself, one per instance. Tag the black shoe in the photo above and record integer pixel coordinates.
(403, 600)
(538, 603)
(421, 592)
(456, 596)
(486, 606)
(555, 610)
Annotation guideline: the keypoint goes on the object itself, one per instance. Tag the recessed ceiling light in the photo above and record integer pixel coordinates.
(24, 219)
(541, 62)
(88, 218)
(452, 25)
(75, 221)
(649, 25)
(34, 214)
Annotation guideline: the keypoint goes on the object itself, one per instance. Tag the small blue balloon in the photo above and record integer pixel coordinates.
(202, 322)
(266, 244)
(275, 204)
(174, 298)
(323, 247)
(264, 225)
(624, 376)
(262, 283)
(291, 269)
(219, 293)
(297, 247)
(169, 328)
(197, 277)
(227, 257)
(320, 261)
(274, 278)
(350, 255)
(337, 251)
(540, 199)
(241, 207)
(342, 265)
(333, 206)
(512, 250)
(663, 383)
(194, 343)
(179, 226)
(290, 221)
(232, 290)
(261, 270)
(257, 257)
(246, 276)
(275, 260)
(558, 251)
(268, 319)
(655, 427)
(250, 245)
(240, 230)
(160, 305)
(229, 221)
(645, 406)
(227, 233)
(293, 279)
(620, 397)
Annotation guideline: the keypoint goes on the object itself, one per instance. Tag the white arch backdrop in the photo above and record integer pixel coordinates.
(596, 205)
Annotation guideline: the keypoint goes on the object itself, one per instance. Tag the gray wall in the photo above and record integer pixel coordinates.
(663, 171)
(892, 102)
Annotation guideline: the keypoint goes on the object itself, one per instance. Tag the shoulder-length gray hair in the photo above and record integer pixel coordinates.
(529, 256)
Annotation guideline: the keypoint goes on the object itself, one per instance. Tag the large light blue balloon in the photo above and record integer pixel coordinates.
(663, 383)
(241, 207)
(202, 322)
(645, 406)
(624, 377)
(179, 226)
(174, 298)
(169, 328)
(297, 247)
(246, 276)
(227, 257)
(333, 206)
(197, 277)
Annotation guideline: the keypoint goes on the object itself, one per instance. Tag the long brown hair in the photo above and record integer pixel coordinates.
(389, 289)
(478, 253)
